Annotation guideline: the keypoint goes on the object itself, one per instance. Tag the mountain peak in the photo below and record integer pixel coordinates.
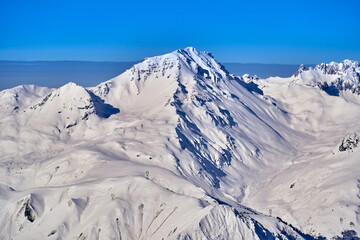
(192, 53)
(198, 62)
(301, 69)
(71, 86)
(186, 66)
(190, 50)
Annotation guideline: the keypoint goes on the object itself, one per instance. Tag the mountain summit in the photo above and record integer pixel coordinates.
(176, 147)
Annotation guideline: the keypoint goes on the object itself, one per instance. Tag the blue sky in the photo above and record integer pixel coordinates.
(291, 32)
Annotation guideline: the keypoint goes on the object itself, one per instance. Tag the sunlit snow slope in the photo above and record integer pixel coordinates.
(178, 148)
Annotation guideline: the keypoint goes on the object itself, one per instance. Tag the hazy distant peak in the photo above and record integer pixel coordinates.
(332, 68)
(338, 68)
(331, 77)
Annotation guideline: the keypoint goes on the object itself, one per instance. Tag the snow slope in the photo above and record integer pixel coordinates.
(178, 148)
(319, 189)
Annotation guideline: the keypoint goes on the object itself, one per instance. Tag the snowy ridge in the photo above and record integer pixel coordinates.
(15, 99)
(178, 148)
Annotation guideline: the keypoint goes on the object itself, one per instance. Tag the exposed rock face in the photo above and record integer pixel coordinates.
(349, 143)
(301, 69)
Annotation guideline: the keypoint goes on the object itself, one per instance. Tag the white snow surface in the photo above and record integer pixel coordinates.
(178, 148)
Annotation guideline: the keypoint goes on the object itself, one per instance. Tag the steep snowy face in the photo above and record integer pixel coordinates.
(215, 116)
(219, 121)
(332, 77)
(202, 63)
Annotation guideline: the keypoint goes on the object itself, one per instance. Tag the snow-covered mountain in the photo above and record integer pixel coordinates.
(333, 77)
(176, 147)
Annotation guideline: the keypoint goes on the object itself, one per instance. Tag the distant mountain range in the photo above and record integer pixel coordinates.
(58, 73)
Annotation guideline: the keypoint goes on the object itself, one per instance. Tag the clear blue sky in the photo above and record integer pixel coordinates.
(291, 31)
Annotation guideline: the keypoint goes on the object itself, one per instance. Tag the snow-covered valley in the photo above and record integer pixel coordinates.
(176, 147)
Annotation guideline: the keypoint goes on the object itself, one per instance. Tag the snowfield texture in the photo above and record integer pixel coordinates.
(176, 147)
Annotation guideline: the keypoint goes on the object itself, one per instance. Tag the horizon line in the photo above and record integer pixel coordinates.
(138, 61)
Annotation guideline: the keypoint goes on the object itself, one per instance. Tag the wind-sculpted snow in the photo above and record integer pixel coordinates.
(178, 148)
